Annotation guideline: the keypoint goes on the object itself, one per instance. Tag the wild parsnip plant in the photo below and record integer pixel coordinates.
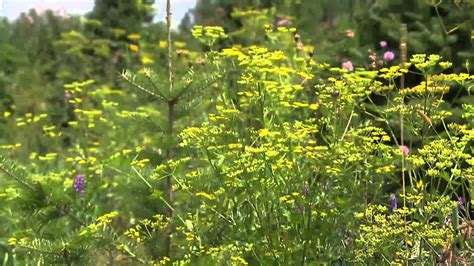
(291, 170)
(274, 159)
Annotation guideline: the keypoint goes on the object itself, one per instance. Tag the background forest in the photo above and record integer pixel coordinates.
(259, 132)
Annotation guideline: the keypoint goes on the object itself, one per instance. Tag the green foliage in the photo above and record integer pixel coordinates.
(344, 30)
(127, 15)
(407, 234)
(254, 151)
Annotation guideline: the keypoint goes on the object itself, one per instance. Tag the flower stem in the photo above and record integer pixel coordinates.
(171, 104)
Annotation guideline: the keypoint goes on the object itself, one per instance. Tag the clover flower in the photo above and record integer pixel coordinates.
(348, 65)
(79, 184)
(388, 56)
(383, 44)
(404, 149)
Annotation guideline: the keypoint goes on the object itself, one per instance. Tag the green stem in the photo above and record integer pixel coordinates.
(169, 180)
(171, 119)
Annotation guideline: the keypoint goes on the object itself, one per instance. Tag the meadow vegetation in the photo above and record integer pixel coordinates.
(242, 142)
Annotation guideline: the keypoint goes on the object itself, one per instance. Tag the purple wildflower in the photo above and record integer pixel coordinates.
(404, 149)
(393, 201)
(462, 202)
(383, 44)
(305, 190)
(388, 56)
(79, 184)
(348, 65)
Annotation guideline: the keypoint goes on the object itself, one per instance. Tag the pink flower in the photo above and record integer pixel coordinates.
(404, 149)
(348, 65)
(388, 56)
(282, 22)
(350, 33)
(383, 44)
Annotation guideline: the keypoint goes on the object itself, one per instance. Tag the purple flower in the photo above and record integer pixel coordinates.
(404, 149)
(383, 44)
(348, 65)
(462, 201)
(79, 184)
(393, 202)
(388, 56)
(305, 190)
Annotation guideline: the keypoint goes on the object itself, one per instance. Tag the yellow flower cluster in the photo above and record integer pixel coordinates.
(426, 87)
(427, 63)
(101, 222)
(208, 34)
(380, 228)
(140, 163)
(461, 77)
(11, 146)
(205, 195)
(290, 199)
(28, 118)
(146, 227)
(392, 72)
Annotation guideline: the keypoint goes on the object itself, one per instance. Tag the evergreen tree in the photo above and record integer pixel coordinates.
(186, 24)
(123, 14)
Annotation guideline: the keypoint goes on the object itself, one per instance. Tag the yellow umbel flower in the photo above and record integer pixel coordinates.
(134, 47)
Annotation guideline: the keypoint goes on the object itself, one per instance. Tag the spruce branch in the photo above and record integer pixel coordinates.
(130, 78)
(11, 170)
(197, 85)
(150, 75)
